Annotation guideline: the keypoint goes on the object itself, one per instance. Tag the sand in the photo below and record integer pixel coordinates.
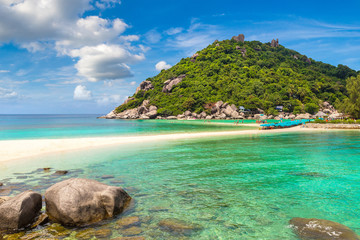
(19, 149)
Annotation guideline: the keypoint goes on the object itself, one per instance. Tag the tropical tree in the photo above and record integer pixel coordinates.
(352, 103)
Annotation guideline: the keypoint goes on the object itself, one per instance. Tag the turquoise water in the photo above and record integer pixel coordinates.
(244, 187)
(67, 126)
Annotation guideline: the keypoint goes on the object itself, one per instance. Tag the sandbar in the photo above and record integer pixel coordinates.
(19, 149)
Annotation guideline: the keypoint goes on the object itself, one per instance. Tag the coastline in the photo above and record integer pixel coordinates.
(19, 149)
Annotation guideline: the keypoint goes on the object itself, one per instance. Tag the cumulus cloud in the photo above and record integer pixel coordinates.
(106, 100)
(104, 62)
(81, 93)
(102, 51)
(7, 93)
(162, 65)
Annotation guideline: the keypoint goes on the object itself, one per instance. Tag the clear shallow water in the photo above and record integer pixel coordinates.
(67, 126)
(245, 187)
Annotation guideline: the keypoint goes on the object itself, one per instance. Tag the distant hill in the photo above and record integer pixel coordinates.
(251, 74)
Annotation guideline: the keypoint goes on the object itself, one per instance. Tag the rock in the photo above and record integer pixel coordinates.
(308, 60)
(303, 116)
(4, 199)
(107, 176)
(47, 169)
(85, 234)
(152, 108)
(57, 230)
(209, 117)
(187, 113)
(233, 107)
(239, 38)
(274, 43)
(110, 115)
(169, 84)
(103, 233)
(193, 57)
(203, 115)
(77, 202)
(291, 116)
(131, 231)
(20, 211)
(296, 57)
(217, 45)
(178, 226)
(219, 104)
(129, 238)
(144, 86)
(42, 219)
(228, 111)
(326, 104)
(235, 115)
(317, 229)
(171, 118)
(61, 172)
(128, 222)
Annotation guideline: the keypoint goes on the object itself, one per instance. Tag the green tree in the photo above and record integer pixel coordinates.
(352, 103)
(311, 108)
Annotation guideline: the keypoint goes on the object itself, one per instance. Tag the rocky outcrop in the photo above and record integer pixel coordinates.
(239, 38)
(193, 57)
(144, 111)
(312, 228)
(20, 211)
(78, 202)
(144, 86)
(274, 43)
(169, 84)
(128, 100)
(308, 60)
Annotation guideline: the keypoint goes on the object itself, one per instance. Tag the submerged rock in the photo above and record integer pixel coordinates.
(129, 238)
(128, 222)
(178, 226)
(77, 202)
(132, 231)
(320, 229)
(61, 172)
(20, 211)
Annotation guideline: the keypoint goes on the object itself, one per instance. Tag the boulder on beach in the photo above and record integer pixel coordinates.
(320, 229)
(20, 211)
(78, 202)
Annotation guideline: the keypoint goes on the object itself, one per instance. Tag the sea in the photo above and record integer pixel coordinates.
(229, 187)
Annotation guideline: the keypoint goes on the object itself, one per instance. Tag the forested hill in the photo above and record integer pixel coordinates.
(245, 73)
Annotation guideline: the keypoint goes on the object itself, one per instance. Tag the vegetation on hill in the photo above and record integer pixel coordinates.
(250, 74)
(351, 104)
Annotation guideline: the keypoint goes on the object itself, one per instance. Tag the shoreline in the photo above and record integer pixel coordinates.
(20, 149)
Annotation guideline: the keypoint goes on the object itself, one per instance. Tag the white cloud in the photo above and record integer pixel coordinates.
(162, 65)
(4, 71)
(7, 93)
(81, 93)
(173, 31)
(40, 24)
(106, 100)
(104, 62)
(133, 83)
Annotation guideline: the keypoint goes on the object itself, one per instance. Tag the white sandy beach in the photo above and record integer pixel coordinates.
(18, 149)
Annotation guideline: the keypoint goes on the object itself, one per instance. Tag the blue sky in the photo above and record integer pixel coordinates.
(83, 56)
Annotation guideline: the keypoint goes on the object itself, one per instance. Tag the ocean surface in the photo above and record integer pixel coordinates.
(238, 187)
(70, 126)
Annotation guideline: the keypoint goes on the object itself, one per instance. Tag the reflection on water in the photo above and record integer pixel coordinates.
(224, 188)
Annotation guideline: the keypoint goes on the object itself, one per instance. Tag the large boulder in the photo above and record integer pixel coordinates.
(20, 211)
(320, 229)
(169, 84)
(144, 86)
(78, 202)
(239, 38)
